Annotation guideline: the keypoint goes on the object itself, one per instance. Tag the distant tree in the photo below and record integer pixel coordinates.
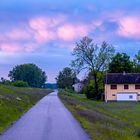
(5, 81)
(29, 73)
(66, 78)
(121, 63)
(92, 57)
(137, 62)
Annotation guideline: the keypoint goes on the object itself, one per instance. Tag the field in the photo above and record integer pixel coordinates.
(16, 101)
(104, 121)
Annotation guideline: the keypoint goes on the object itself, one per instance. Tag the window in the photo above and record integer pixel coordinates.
(126, 87)
(137, 86)
(130, 97)
(113, 86)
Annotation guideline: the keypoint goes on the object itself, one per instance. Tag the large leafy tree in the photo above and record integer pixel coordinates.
(66, 78)
(121, 63)
(92, 57)
(29, 73)
(137, 62)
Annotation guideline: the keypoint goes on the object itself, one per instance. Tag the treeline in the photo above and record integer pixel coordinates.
(26, 75)
(97, 60)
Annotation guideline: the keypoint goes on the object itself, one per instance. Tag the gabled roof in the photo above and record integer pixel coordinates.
(122, 78)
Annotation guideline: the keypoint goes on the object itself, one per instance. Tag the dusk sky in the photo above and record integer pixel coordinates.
(44, 32)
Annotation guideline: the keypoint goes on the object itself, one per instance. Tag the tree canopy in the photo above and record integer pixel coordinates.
(137, 62)
(29, 73)
(92, 57)
(121, 63)
(66, 78)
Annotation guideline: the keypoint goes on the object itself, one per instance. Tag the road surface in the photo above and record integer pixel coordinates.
(47, 120)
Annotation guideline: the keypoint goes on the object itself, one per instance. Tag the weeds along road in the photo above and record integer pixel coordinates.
(47, 120)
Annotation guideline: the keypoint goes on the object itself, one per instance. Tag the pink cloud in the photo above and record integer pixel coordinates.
(44, 36)
(69, 32)
(129, 27)
(44, 22)
(57, 28)
(17, 47)
(10, 47)
(18, 34)
(42, 30)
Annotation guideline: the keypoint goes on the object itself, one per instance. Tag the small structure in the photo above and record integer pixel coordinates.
(122, 87)
(78, 87)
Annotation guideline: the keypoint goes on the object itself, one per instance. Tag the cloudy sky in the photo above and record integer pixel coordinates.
(44, 32)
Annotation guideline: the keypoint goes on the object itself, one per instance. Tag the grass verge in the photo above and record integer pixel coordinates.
(16, 101)
(104, 121)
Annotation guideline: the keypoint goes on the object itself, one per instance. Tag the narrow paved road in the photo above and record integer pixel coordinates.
(47, 120)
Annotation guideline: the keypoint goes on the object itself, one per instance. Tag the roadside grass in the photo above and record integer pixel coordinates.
(14, 102)
(104, 121)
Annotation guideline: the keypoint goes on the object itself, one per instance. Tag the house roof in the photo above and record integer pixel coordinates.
(122, 78)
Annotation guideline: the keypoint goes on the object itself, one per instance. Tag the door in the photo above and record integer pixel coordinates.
(126, 96)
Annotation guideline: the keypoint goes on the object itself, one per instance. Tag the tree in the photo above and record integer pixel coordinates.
(5, 82)
(89, 90)
(92, 57)
(121, 63)
(137, 62)
(66, 78)
(29, 73)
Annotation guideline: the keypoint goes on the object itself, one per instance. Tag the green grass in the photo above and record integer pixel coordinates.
(105, 121)
(16, 101)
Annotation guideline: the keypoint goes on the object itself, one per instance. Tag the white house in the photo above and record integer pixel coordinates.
(78, 87)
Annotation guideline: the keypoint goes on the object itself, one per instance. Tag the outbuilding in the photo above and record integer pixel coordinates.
(78, 87)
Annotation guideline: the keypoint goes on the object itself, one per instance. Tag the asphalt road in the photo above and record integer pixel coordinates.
(47, 120)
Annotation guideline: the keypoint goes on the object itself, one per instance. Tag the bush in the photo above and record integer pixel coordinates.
(89, 90)
(20, 84)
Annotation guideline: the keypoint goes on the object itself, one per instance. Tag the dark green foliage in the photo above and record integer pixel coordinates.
(29, 73)
(89, 90)
(66, 78)
(51, 86)
(121, 63)
(137, 63)
(20, 84)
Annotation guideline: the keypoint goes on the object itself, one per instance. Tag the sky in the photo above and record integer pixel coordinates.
(45, 32)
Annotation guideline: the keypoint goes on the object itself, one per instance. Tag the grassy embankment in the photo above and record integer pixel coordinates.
(16, 101)
(105, 121)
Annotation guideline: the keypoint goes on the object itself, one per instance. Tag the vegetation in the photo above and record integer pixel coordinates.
(5, 82)
(66, 78)
(121, 63)
(15, 101)
(20, 83)
(104, 121)
(92, 57)
(137, 62)
(29, 73)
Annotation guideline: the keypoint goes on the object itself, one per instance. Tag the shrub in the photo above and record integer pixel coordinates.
(89, 90)
(20, 84)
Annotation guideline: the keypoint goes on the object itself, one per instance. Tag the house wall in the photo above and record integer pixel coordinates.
(78, 87)
(120, 88)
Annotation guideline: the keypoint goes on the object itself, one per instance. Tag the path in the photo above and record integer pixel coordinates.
(47, 120)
